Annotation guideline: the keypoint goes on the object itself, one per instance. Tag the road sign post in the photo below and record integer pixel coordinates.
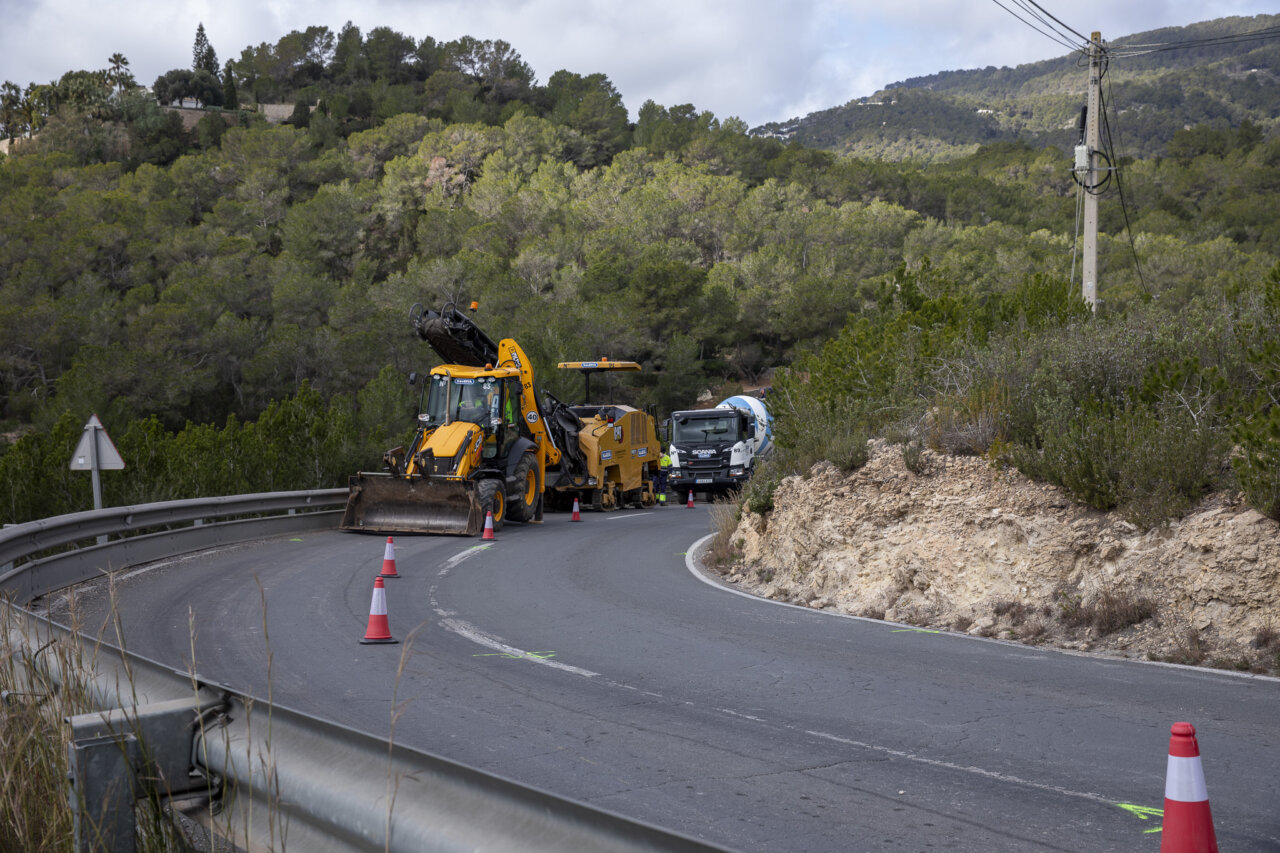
(95, 453)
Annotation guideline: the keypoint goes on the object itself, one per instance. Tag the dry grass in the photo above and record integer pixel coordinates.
(34, 813)
(723, 551)
(913, 457)
(1107, 612)
(1190, 650)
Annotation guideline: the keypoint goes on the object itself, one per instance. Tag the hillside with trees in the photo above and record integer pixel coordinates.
(1218, 74)
(232, 300)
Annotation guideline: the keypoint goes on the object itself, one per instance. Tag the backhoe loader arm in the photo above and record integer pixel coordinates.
(454, 336)
(535, 419)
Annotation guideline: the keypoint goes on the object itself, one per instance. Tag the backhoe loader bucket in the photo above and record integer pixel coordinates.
(383, 503)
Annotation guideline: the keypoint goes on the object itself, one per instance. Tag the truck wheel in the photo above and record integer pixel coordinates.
(525, 500)
(492, 499)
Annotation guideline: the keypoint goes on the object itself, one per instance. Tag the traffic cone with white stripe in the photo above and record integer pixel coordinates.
(488, 526)
(379, 630)
(389, 560)
(1188, 825)
(690, 503)
(577, 516)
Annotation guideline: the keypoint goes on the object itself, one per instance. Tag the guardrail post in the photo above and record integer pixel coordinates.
(101, 789)
(118, 756)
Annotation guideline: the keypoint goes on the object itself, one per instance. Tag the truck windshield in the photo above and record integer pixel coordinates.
(694, 430)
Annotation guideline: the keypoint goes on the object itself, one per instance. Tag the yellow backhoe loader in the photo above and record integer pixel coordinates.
(481, 445)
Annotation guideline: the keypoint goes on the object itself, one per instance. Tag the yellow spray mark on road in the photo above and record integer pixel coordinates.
(521, 656)
(1143, 813)
(914, 631)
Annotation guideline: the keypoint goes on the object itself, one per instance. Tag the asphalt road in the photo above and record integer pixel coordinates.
(591, 660)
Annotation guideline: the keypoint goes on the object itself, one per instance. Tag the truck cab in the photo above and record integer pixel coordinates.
(712, 450)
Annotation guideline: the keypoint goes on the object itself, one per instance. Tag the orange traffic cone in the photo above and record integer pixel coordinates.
(576, 515)
(1188, 825)
(488, 526)
(690, 503)
(389, 560)
(379, 631)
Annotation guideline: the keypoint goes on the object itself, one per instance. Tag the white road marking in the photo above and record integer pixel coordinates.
(470, 632)
(963, 768)
(475, 635)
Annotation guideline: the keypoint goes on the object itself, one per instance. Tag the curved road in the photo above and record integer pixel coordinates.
(591, 660)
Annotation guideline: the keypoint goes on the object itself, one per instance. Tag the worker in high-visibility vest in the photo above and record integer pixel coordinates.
(664, 467)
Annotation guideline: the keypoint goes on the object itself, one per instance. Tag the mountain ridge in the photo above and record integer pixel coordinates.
(1162, 88)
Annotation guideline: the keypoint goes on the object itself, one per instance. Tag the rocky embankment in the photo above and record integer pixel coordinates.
(964, 546)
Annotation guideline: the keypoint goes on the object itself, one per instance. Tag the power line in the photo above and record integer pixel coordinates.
(1124, 206)
(1035, 13)
(1064, 26)
(1211, 41)
(1050, 34)
(1048, 20)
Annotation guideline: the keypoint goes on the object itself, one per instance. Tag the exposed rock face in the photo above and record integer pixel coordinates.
(965, 546)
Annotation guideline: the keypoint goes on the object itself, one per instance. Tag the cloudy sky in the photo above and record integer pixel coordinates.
(758, 60)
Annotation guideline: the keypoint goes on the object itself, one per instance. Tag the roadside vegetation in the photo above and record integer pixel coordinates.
(33, 753)
(36, 813)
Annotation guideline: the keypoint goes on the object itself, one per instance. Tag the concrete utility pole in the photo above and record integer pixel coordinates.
(1090, 176)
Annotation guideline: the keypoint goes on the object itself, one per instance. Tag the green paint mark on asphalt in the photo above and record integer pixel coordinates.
(914, 631)
(509, 656)
(1143, 813)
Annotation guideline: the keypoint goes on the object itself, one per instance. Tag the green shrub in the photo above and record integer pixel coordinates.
(1257, 464)
(810, 431)
(758, 492)
(1150, 463)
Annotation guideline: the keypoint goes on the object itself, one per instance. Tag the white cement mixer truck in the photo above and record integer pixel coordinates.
(715, 450)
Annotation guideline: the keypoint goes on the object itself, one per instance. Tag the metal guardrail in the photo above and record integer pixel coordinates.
(185, 529)
(281, 779)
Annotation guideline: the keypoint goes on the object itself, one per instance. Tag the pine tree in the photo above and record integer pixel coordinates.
(203, 55)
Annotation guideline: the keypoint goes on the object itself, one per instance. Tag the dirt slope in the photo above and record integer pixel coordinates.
(963, 546)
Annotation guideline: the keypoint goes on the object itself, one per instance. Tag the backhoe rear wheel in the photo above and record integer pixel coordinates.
(492, 500)
(525, 501)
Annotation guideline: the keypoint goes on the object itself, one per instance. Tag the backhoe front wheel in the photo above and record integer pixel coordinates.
(492, 500)
(524, 502)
